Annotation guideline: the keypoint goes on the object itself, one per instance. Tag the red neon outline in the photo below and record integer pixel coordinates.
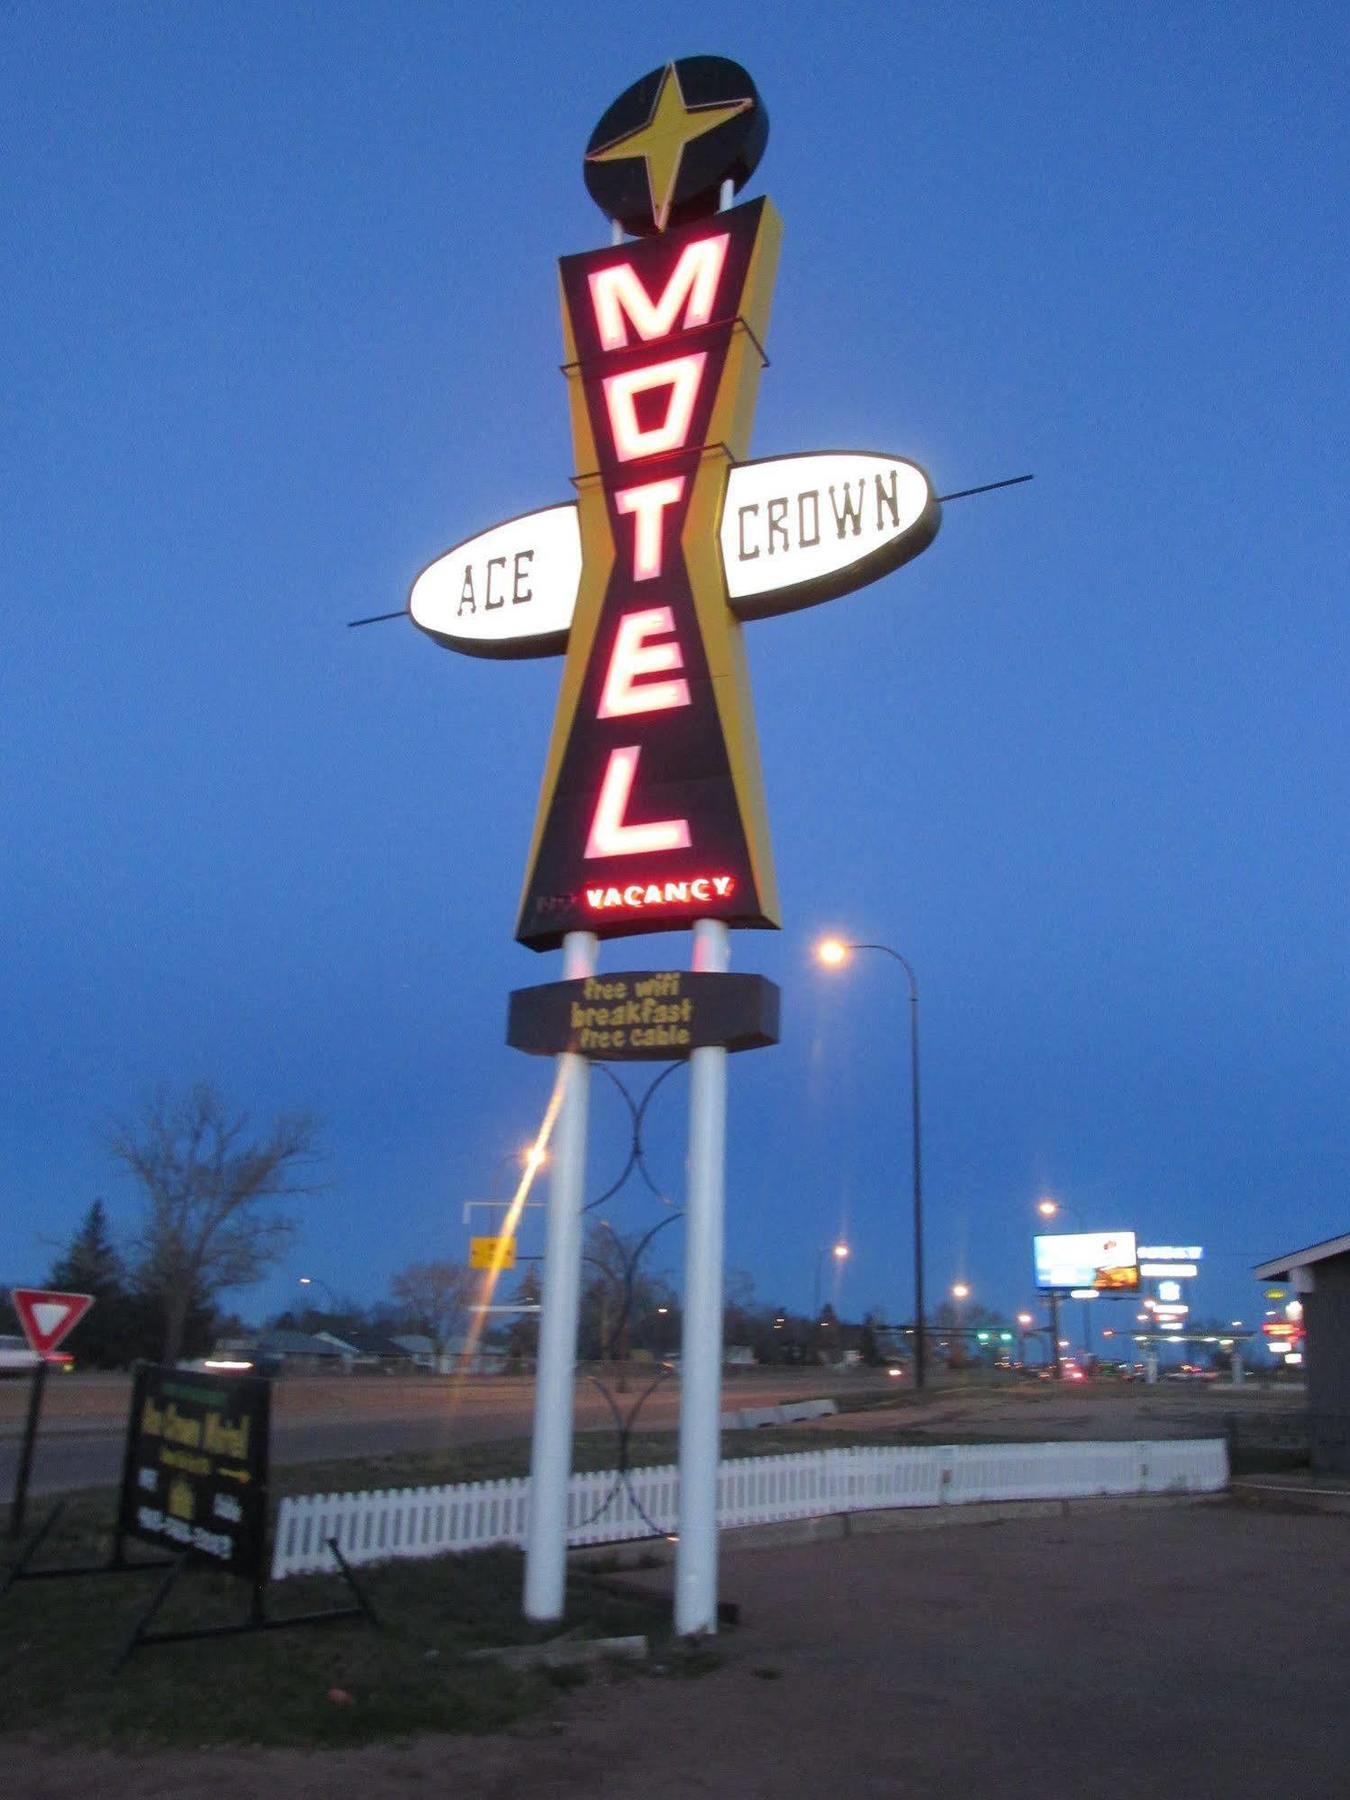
(609, 835)
(648, 503)
(618, 291)
(715, 887)
(632, 657)
(683, 375)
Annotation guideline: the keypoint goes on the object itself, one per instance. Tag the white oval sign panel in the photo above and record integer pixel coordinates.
(796, 530)
(509, 591)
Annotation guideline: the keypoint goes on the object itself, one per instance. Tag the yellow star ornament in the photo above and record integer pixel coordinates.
(661, 141)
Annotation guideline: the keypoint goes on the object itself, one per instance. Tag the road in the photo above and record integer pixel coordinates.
(320, 1419)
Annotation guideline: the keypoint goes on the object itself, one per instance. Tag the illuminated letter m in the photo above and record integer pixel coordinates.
(620, 299)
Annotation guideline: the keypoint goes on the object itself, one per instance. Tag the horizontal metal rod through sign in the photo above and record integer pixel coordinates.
(378, 618)
(988, 488)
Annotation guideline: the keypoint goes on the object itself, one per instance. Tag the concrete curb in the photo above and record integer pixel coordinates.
(832, 1527)
(1278, 1496)
(791, 1412)
(13, 1434)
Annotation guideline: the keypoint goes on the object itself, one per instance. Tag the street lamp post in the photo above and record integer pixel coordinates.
(960, 1293)
(317, 1281)
(1050, 1209)
(832, 953)
(839, 1251)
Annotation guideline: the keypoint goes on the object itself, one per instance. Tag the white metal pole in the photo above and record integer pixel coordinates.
(560, 1299)
(701, 1352)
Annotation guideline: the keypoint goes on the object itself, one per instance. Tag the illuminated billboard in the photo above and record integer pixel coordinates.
(1105, 1261)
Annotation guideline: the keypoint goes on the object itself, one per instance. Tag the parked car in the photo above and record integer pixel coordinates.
(16, 1358)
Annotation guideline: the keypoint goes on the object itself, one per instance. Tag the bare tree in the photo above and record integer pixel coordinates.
(434, 1297)
(206, 1183)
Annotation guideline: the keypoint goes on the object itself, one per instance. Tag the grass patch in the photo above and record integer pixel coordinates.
(592, 1451)
(58, 1639)
(325, 1686)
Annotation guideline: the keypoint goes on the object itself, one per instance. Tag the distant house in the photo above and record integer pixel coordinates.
(470, 1356)
(374, 1350)
(305, 1353)
(420, 1350)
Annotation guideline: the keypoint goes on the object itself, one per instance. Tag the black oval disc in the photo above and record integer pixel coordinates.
(661, 152)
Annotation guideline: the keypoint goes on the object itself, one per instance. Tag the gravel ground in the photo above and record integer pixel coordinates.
(1195, 1649)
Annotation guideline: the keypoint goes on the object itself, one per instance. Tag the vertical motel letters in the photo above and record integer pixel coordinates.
(650, 812)
(646, 643)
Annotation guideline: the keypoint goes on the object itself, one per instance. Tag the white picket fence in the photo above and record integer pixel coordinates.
(605, 1508)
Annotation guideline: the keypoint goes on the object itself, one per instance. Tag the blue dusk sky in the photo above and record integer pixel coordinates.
(280, 323)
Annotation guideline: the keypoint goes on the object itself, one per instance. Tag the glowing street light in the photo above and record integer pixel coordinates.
(832, 953)
(839, 1250)
(960, 1291)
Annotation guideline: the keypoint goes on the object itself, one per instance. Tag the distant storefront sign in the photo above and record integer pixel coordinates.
(492, 1253)
(195, 1478)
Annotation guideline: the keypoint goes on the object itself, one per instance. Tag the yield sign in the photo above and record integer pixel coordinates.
(47, 1317)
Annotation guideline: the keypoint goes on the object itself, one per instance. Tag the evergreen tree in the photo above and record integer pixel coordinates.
(90, 1264)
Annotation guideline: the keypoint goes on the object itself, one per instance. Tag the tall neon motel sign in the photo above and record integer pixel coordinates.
(651, 811)
(652, 808)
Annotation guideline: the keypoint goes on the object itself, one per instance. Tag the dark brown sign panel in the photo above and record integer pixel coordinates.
(652, 787)
(196, 1466)
(644, 1016)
